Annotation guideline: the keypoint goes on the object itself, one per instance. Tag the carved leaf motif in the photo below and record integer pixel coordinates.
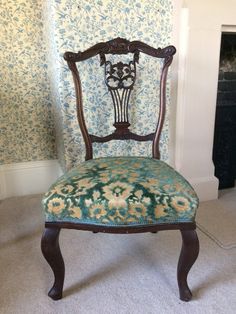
(120, 75)
(120, 78)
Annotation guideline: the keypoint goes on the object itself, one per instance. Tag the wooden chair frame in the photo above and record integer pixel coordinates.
(50, 239)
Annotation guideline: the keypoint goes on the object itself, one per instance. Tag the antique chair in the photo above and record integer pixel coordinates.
(121, 194)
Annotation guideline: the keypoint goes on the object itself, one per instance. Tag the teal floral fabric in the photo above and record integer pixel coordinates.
(121, 191)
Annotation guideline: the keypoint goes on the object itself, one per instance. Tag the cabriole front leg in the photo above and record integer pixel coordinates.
(51, 251)
(188, 255)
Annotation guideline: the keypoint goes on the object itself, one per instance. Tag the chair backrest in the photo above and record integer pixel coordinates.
(120, 79)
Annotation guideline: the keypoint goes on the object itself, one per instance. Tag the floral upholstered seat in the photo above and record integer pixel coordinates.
(121, 191)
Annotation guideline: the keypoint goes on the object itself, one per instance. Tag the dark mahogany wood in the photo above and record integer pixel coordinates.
(80, 112)
(118, 73)
(52, 253)
(119, 46)
(188, 255)
(127, 135)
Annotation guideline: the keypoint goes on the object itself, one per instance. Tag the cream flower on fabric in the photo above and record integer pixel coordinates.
(98, 211)
(118, 215)
(119, 171)
(104, 177)
(62, 189)
(133, 177)
(96, 195)
(138, 210)
(103, 165)
(83, 185)
(159, 211)
(152, 185)
(77, 212)
(180, 203)
(117, 193)
(56, 205)
(117, 189)
(138, 194)
(117, 202)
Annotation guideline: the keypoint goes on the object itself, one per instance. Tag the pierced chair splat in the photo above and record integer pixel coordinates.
(126, 194)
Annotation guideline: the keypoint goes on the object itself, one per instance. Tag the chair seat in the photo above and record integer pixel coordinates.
(121, 191)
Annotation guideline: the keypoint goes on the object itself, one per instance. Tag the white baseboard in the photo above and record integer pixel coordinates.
(26, 178)
(206, 188)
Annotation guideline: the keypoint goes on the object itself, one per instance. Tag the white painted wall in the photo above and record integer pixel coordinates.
(199, 51)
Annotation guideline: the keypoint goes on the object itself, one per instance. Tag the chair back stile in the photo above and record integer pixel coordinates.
(120, 79)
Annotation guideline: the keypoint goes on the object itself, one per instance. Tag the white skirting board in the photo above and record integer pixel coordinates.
(206, 188)
(26, 178)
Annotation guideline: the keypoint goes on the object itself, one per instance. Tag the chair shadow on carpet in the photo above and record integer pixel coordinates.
(96, 277)
(141, 254)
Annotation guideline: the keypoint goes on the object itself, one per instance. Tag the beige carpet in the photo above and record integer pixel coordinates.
(217, 219)
(105, 274)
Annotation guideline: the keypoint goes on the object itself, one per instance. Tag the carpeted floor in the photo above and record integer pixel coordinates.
(217, 219)
(121, 274)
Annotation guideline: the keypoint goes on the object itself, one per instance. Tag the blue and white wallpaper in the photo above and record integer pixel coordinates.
(26, 121)
(37, 92)
(81, 24)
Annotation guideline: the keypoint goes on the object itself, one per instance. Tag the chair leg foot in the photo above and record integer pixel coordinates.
(51, 251)
(188, 255)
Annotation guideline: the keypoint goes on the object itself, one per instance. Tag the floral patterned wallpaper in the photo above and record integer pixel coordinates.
(79, 24)
(37, 92)
(26, 123)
